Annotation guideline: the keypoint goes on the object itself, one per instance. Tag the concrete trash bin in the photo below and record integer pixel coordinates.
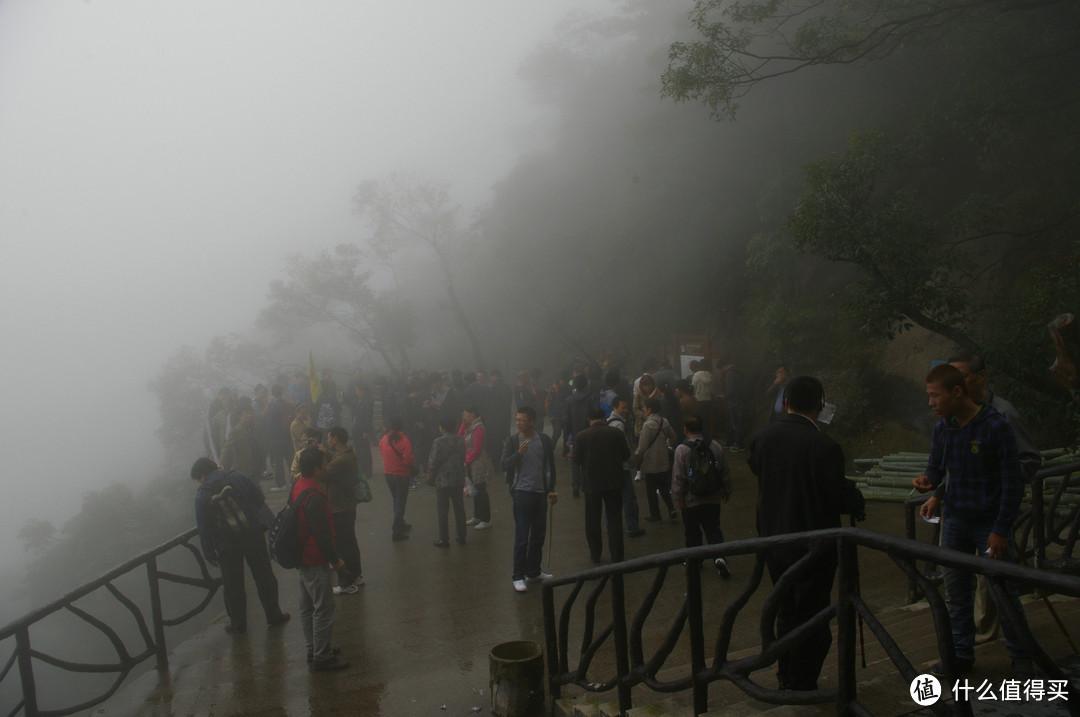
(517, 679)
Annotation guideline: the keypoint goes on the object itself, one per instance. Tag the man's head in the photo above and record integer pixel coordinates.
(946, 391)
(695, 366)
(310, 462)
(337, 438)
(202, 468)
(973, 369)
(447, 424)
(621, 407)
(581, 383)
(611, 378)
(781, 373)
(525, 419)
(496, 375)
(804, 395)
(692, 424)
(311, 436)
(652, 405)
(595, 414)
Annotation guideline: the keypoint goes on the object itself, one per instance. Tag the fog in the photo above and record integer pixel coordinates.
(158, 161)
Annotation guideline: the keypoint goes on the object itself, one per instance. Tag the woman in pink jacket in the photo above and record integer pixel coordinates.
(398, 462)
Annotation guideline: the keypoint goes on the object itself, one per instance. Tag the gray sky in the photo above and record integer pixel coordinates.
(158, 159)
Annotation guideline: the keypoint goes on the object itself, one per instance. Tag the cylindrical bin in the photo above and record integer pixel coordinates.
(517, 679)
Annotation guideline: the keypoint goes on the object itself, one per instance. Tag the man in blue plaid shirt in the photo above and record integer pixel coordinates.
(974, 445)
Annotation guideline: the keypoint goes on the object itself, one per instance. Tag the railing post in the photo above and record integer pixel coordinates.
(697, 635)
(622, 649)
(155, 611)
(26, 672)
(1038, 520)
(845, 626)
(552, 643)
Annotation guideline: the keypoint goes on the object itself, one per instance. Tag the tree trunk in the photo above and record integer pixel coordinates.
(459, 310)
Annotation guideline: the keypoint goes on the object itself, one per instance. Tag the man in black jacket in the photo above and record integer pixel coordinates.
(601, 451)
(801, 487)
(231, 515)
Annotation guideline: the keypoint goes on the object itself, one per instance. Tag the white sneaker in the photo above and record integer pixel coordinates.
(520, 586)
(482, 525)
(347, 590)
(538, 578)
(471, 521)
(722, 567)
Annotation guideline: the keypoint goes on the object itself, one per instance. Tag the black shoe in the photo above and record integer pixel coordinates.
(335, 651)
(962, 667)
(331, 665)
(636, 533)
(1023, 669)
(236, 629)
(281, 619)
(399, 536)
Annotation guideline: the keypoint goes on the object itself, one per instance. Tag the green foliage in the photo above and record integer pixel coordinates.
(37, 535)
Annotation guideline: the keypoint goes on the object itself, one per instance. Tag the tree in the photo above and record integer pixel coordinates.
(334, 289)
(37, 535)
(404, 211)
(943, 217)
(749, 43)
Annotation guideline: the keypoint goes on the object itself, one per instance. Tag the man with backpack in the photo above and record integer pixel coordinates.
(700, 484)
(231, 515)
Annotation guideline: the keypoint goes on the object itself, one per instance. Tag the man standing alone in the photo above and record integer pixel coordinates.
(528, 460)
(801, 487)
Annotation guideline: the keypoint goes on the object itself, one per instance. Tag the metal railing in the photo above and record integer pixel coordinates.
(23, 654)
(1049, 521)
(633, 667)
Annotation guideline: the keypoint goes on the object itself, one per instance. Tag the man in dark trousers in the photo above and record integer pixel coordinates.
(230, 514)
(801, 487)
(601, 451)
(577, 410)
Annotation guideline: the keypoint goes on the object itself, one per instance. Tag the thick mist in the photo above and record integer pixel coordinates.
(161, 160)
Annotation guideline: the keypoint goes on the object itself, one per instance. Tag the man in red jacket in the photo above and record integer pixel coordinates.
(319, 558)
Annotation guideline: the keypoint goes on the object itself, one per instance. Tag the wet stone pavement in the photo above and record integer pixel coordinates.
(418, 634)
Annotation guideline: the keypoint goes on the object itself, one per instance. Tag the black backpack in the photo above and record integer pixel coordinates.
(704, 475)
(228, 512)
(284, 535)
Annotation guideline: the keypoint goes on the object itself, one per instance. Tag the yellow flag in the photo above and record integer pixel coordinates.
(313, 378)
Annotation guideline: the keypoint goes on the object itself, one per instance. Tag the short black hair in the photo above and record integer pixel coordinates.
(692, 423)
(202, 467)
(339, 434)
(653, 404)
(309, 461)
(973, 360)
(311, 432)
(595, 413)
(528, 411)
(448, 424)
(805, 394)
